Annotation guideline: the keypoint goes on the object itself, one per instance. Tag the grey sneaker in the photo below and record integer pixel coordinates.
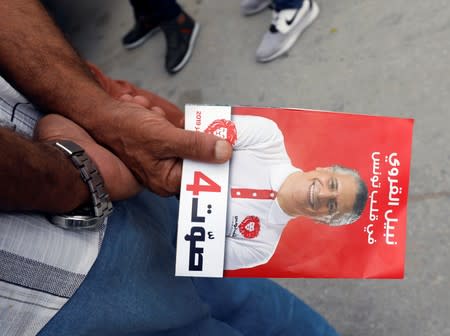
(286, 27)
(250, 7)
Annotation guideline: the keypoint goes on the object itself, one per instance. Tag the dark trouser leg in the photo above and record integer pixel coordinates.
(285, 4)
(159, 10)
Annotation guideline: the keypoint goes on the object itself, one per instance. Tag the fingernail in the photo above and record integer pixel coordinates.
(222, 150)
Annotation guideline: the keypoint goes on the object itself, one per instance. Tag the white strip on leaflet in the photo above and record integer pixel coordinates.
(203, 204)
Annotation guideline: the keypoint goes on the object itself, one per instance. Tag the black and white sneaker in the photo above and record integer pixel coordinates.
(286, 27)
(181, 34)
(140, 33)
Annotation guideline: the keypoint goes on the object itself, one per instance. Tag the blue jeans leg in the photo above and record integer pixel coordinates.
(261, 307)
(131, 289)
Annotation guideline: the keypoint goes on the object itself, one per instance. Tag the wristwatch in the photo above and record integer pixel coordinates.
(92, 215)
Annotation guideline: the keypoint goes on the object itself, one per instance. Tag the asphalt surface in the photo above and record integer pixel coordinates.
(370, 57)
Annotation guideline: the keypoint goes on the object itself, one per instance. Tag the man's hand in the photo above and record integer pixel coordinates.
(119, 181)
(151, 147)
(143, 139)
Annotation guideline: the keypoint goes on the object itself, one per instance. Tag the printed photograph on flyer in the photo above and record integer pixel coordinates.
(317, 194)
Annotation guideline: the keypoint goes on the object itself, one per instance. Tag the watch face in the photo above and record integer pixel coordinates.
(85, 210)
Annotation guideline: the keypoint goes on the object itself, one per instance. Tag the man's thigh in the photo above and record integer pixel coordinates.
(260, 307)
(132, 288)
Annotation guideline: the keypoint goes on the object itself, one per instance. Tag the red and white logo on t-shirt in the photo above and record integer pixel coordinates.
(250, 227)
(224, 129)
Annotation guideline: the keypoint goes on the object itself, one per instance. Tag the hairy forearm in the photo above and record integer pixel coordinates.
(37, 177)
(41, 64)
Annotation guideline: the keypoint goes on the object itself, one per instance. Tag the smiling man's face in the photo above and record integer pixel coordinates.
(322, 193)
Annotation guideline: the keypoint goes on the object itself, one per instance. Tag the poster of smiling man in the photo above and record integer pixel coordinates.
(306, 194)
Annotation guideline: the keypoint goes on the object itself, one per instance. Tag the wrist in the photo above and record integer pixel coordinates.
(92, 214)
(103, 124)
(70, 190)
(88, 108)
(37, 177)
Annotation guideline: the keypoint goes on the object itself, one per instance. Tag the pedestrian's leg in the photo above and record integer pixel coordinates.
(289, 19)
(148, 15)
(285, 4)
(164, 10)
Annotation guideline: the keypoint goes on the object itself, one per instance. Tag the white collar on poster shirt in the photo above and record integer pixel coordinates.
(278, 175)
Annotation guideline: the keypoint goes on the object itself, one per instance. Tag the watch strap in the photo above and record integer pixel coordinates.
(101, 203)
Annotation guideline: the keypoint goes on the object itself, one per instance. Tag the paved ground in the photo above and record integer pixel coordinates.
(367, 56)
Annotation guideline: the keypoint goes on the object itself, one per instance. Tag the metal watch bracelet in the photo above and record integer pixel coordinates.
(93, 216)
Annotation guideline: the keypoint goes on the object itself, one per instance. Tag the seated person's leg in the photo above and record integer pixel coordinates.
(131, 286)
(260, 307)
(131, 289)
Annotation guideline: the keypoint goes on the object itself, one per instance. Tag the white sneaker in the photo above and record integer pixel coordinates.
(250, 7)
(286, 27)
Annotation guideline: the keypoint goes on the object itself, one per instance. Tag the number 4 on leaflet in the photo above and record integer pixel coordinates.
(197, 187)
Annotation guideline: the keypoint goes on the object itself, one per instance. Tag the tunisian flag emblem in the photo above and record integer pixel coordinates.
(224, 129)
(250, 227)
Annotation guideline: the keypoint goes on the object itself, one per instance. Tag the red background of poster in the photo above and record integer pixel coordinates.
(313, 139)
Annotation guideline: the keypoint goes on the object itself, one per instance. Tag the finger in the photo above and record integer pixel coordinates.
(173, 180)
(126, 97)
(158, 110)
(197, 146)
(173, 113)
(141, 100)
(167, 184)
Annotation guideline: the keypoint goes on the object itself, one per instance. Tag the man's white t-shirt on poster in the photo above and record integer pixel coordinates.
(259, 166)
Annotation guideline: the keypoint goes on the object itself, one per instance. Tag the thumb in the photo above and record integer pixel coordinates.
(198, 146)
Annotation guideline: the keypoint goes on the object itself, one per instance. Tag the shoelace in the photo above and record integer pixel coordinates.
(279, 21)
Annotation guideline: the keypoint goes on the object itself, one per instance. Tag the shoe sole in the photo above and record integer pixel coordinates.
(189, 51)
(141, 41)
(258, 9)
(306, 22)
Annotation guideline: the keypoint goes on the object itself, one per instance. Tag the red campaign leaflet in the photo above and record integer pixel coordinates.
(308, 194)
